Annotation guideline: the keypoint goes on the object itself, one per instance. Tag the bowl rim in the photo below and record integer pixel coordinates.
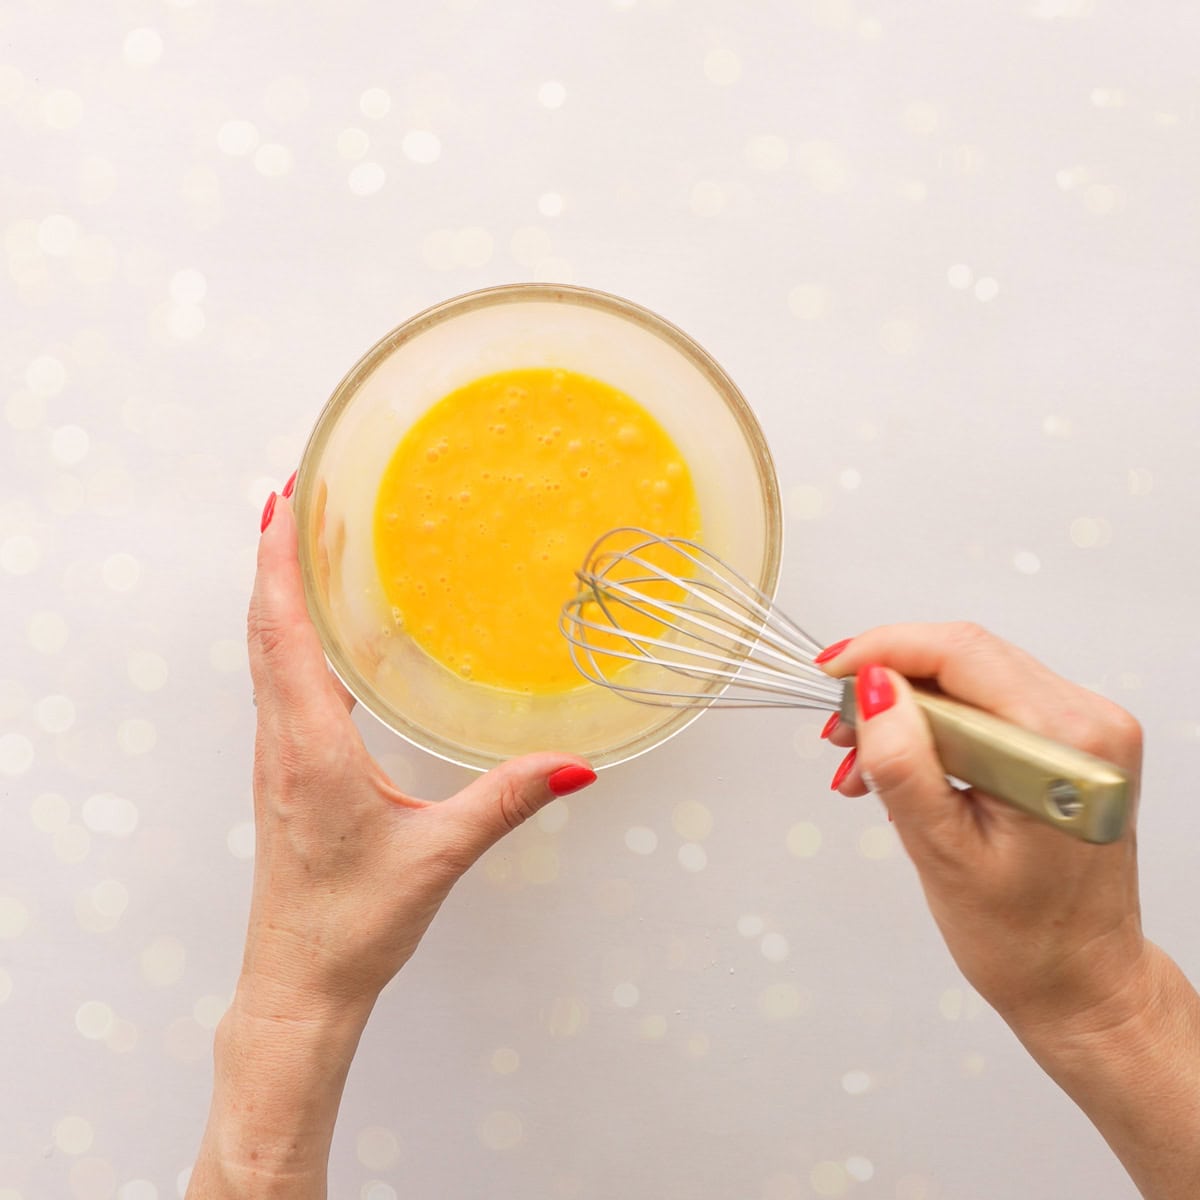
(510, 293)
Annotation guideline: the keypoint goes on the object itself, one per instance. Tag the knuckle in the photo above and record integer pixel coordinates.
(1097, 727)
(1129, 733)
(1116, 735)
(891, 767)
(968, 635)
(512, 803)
(294, 760)
(1081, 729)
(1090, 738)
(456, 853)
(331, 760)
(265, 635)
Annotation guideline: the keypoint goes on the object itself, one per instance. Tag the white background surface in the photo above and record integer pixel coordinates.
(950, 252)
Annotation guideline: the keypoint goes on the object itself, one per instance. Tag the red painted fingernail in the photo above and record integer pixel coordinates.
(874, 692)
(290, 486)
(268, 512)
(830, 725)
(832, 651)
(839, 776)
(570, 779)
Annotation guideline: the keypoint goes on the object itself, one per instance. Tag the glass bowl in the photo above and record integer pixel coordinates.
(398, 380)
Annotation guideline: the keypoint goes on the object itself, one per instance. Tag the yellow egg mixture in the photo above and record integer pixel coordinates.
(491, 502)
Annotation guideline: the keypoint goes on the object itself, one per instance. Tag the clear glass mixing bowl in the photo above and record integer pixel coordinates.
(400, 378)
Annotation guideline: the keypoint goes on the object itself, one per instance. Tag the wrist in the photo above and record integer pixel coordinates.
(308, 962)
(280, 1066)
(1054, 989)
(1132, 1066)
(1127, 1043)
(277, 1005)
(1077, 1020)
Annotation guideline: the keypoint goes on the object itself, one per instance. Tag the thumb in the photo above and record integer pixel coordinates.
(897, 759)
(496, 803)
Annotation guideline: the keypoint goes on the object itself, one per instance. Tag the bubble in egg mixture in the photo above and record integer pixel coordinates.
(490, 503)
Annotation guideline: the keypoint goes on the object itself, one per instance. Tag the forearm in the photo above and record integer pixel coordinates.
(278, 1080)
(1135, 1071)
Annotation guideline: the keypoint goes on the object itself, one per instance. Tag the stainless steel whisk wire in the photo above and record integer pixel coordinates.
(721, 632)
(733, 635)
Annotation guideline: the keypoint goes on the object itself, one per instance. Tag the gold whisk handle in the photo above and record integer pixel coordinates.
(1078, 793)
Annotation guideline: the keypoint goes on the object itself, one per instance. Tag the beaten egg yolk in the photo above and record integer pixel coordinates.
(491, 502)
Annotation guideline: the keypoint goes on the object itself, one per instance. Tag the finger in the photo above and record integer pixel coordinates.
(848, 778)
(972, 664)
(287, 661)
(496, 803)
(838, 732)
(897, 755)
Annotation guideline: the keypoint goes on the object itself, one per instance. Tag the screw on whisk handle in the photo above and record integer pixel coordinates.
(1073, 791)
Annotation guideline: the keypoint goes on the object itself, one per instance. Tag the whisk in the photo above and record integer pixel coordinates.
(665, 621)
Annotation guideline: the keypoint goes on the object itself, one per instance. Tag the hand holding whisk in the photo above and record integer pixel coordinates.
(665, 621)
